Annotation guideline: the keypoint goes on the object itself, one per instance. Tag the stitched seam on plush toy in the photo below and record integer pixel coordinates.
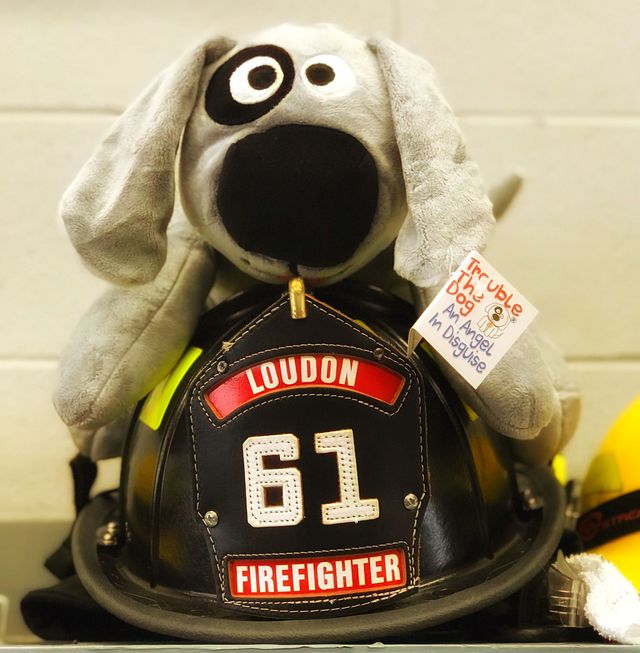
(500, 426)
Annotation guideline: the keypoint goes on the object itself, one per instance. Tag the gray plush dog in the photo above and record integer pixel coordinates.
(302, 151)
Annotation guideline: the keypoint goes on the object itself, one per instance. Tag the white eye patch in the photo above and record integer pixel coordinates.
(255, 80)
(327, 75)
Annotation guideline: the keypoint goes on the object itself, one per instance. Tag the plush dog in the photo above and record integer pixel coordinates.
(301, 151)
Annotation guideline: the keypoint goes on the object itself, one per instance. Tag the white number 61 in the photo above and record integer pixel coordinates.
(350, 507)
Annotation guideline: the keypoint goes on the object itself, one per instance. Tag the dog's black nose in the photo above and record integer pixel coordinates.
(302, 194)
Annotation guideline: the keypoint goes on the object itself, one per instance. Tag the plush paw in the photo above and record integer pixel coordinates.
(528, 396)
(129, 340)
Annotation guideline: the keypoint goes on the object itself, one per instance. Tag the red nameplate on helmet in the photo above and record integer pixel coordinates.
(271, 578)
(356, 375)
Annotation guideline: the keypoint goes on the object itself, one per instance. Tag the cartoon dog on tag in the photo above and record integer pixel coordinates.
(495, 321)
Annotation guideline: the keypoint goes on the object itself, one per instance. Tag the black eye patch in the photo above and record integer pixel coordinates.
(220, 104)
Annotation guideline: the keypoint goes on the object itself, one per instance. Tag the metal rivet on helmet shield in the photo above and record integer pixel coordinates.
(211, 518)
(107, 535)
(411, 502)
(378, 353)
(222, 366)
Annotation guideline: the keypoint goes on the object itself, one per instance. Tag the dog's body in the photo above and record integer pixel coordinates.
(303, 151)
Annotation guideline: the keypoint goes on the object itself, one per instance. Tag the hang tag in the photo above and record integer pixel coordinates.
(474, 319)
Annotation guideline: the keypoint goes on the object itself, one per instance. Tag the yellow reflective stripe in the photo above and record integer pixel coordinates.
(559, 466)
(473, 416)
(157, 402)
(426, 349)
(364, 325)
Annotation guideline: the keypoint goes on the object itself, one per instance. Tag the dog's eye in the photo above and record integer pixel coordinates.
(249, 84)
(328, 76)
(320, 74)
(256, 80)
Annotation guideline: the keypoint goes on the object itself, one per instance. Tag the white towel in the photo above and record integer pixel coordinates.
(613, 604)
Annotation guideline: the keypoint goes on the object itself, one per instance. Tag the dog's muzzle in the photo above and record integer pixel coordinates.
(302, 194)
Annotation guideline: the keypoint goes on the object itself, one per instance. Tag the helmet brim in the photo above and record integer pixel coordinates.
(107, 580)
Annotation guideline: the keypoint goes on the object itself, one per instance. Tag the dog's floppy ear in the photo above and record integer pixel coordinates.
(449, 213)
(117, 210)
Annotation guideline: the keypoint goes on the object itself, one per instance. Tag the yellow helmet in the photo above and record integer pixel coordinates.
(610, 523)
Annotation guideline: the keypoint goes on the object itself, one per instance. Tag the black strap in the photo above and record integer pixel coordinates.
(65, 612)
(84, 472)
(610, 520)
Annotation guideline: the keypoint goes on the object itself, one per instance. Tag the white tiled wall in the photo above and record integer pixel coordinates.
(551, 87)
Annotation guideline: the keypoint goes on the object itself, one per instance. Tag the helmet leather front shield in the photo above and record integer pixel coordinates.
(308, 435)
(307, 472)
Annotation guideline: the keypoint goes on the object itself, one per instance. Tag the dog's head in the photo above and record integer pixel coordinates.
(498, 315)
(302, 151)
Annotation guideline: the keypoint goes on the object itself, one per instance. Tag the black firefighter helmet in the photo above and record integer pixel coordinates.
(304, 480)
